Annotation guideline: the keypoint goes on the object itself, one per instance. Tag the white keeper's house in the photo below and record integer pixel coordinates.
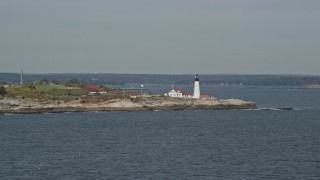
(177, 92)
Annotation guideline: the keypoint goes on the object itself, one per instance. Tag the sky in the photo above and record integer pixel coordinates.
(160, 36)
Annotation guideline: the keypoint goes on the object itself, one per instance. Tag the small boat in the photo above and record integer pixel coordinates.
(285, 108)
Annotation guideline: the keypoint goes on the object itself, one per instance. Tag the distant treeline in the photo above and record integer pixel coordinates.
(121, 79)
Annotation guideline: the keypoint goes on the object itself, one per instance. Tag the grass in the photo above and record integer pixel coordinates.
(65, 92)
(20, 91)
(48, 92)
(44, 87)
(45, 92)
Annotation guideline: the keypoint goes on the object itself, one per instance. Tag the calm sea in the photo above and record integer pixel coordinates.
(224, 144)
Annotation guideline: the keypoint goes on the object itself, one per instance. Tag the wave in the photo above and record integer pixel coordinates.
(272, 109)
(288, 109)
(9, 114)
(279, 109)
(46, 113)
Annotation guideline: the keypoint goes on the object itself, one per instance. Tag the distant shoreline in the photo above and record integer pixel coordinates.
(178, 79)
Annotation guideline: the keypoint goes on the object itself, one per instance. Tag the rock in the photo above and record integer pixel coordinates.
(8, 105)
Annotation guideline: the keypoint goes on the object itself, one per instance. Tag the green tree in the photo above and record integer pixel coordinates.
(29, 85)
(56, 82)
(104, 88)
(3, 91)
(72, 83)
(43, 82)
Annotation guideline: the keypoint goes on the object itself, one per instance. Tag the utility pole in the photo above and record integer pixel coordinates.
(21, 77)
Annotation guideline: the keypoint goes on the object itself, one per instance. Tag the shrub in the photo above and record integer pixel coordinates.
(3, 91)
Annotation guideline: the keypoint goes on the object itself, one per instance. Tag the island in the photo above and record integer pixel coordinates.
(27, 105)
(74, 96)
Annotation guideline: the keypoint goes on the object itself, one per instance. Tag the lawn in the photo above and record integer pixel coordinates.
(44, 87)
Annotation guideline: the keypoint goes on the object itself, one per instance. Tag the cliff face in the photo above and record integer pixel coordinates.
(8, 105)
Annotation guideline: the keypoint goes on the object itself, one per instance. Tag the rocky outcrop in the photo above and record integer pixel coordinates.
(9, 105)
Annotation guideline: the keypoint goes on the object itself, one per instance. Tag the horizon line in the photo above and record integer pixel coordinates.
(253, 74)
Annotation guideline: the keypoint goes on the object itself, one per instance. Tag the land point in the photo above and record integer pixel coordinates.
(45, 97)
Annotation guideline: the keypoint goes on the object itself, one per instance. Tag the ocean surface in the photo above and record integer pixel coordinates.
(192, 144)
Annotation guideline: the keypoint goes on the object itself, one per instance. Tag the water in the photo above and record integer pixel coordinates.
(264, 97)
(225, 144)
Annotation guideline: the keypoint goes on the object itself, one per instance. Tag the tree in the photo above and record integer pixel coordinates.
(92, 88)
(104, 88)
(3, 91)
(43, 82)
(72, 83)
(56, 82)
(29, 85)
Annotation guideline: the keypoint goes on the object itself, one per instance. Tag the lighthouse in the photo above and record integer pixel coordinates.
(196, 92)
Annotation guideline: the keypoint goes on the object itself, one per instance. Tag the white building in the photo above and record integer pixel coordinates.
(176, 92)
(94, 93)
(196, 92)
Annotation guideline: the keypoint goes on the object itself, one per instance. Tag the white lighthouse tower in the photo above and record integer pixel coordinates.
(196, 92)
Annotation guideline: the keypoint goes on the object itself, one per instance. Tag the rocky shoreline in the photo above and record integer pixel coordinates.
(27, 106)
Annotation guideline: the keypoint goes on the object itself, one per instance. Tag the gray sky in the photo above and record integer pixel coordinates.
(160, 36)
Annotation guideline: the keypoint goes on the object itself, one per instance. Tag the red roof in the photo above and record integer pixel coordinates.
(176, 89)
(180, 91)
(206, 94)
(186, 93)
